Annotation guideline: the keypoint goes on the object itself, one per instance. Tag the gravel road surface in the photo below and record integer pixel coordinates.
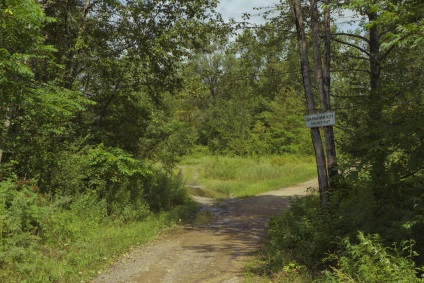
(214, 251)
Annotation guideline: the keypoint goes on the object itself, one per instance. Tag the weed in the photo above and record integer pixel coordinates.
(70, 237)
(369, 261)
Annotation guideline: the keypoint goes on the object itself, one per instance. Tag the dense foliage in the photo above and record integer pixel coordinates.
(85, 115)
(100, 99)
(377, 95)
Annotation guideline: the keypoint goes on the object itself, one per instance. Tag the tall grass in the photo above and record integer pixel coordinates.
(71, 238)
(221, 176)
(85, 255)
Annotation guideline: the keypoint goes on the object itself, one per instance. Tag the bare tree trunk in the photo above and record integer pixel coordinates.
(329, 133)
(307, 83)
(323, 80)
(6, 126)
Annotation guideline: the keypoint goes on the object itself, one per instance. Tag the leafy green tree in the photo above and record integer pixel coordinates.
(123, 55)
(37, 115)
(233, 94)
(371, 57)
(380, 98)
(20, 42)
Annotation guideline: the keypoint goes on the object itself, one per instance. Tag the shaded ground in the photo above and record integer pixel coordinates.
(215, 249)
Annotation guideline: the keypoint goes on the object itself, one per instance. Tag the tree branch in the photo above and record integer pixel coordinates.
(410, 174)
(350, 70)
(354, 46)
(386, 53)
(357, 57)
(352, 35)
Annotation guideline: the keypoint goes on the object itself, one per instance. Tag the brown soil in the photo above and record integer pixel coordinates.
(214, 249)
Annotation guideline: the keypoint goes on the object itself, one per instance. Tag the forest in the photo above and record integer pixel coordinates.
(101, 100)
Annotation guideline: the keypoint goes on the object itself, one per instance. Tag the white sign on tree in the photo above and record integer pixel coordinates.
(320, 120)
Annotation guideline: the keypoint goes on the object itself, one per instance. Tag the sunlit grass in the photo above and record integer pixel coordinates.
(218, 176)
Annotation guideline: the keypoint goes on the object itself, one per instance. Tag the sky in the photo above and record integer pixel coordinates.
(236, 8)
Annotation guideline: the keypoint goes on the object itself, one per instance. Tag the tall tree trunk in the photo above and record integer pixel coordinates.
(323, 83)
(329, 133)
(307, 83)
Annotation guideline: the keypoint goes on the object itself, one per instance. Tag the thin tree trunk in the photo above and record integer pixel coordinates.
(328, 131)
(307, 83)
(323, 83)
(6, 126)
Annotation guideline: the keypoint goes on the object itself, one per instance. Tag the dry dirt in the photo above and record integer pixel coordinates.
(213, 251)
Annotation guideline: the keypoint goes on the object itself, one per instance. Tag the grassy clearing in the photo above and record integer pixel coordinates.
(220, 177)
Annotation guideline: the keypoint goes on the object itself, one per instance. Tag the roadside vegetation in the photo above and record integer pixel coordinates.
(369, 227)
(72, 236)
(344, 242)
(108, 107)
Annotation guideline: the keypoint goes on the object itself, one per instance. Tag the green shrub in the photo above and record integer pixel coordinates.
(51, 238)
(130, 188)
(165, 191)
(307, 231)
(90, 190)
(113, 173)
(22, 211)
(70, 218)
(369, 261)
(301, 234)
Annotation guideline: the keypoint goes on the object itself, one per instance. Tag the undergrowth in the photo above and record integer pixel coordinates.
(67, 239)
(64, 233)
(354, 238)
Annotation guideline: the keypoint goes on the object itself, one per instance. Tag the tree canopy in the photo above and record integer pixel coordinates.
(94, 94)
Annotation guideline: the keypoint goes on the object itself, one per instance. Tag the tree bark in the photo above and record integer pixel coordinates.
(6, 126)
(323, 79)
(331, 149)
(310, 102)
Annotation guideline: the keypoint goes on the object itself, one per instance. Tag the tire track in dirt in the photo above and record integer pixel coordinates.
(213, 252)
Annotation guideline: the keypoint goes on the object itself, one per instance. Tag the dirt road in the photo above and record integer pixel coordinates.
(213, 251)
